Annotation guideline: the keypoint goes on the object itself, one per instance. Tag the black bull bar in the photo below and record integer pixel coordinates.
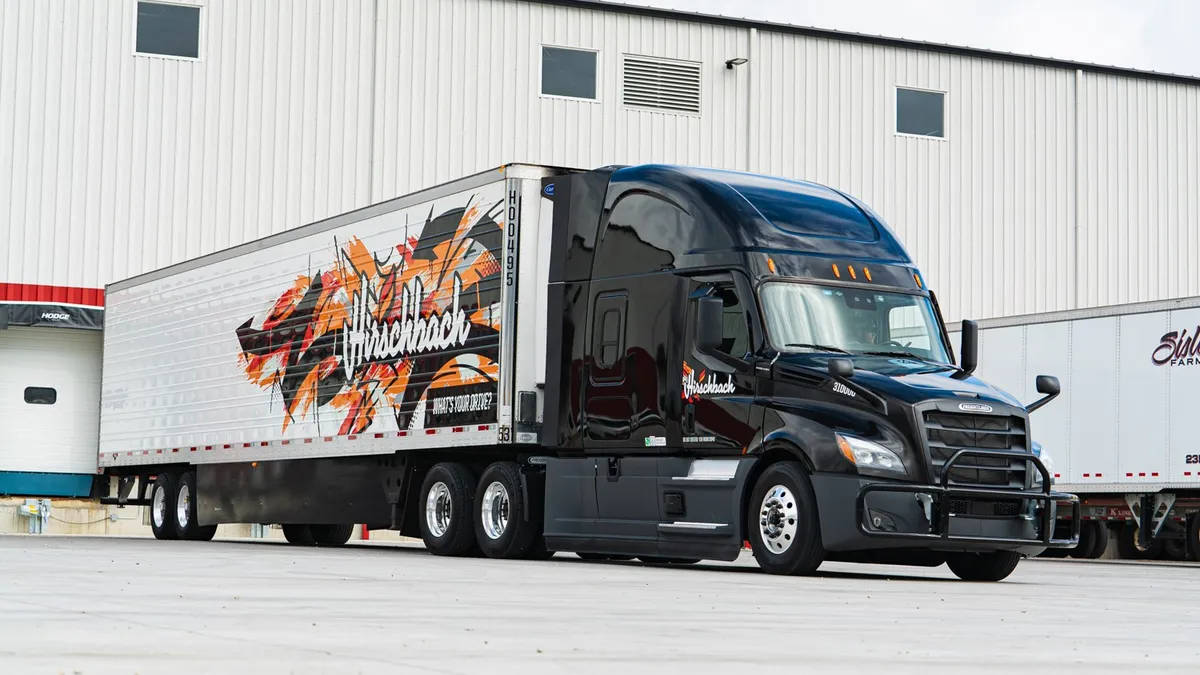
(944, 492)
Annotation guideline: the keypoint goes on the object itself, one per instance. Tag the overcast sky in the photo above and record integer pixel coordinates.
(1143, 34)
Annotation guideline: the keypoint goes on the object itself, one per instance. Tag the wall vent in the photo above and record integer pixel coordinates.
(661, 84)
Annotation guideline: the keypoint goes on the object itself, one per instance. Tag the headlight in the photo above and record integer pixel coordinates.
(1047, 461)
(870, 457)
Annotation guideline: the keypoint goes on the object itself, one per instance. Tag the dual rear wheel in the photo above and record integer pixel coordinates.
(460, 514)
(173, 513)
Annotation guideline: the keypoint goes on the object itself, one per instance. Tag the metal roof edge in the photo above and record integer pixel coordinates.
(846, 36)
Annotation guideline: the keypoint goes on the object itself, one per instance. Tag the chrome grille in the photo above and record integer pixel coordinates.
(948, 432)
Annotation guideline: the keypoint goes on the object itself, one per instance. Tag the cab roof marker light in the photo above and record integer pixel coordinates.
(771, 264)
(852, 274)
(917, 278)
(836, 272)
(867, 272)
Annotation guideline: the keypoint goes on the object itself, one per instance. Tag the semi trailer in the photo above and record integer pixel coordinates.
(1121, 438)
(655, 362)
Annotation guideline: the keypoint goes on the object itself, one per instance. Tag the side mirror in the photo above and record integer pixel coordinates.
(709, 324)
(1048, 385)
(970, 348)
(841, 368)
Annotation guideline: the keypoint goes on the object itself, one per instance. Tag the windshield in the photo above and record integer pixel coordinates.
(809, 317)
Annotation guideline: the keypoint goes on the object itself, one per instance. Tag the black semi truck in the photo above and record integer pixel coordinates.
(659, 362)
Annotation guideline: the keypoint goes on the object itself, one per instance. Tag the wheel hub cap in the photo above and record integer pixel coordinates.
(158, 509)
(438, 509)
(495, 510)
(777, 519)
(183, 505)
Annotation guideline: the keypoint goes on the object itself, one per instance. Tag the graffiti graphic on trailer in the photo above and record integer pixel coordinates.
(413, 333)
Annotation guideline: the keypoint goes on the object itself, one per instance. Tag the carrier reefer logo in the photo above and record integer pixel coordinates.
(410, 330)
(695, 386)
(1177, 348)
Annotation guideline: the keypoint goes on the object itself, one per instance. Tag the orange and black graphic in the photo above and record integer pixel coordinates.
(415, 335)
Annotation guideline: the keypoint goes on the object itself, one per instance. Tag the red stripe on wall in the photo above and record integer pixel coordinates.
(68, 295)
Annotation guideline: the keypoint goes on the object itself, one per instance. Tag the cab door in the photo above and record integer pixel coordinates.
(717, 385)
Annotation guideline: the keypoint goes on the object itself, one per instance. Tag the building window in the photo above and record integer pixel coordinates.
(168, 30)
(920, 112)
(569, 73)
(41, 395)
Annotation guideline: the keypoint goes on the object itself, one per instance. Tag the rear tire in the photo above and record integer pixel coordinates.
(992, 566)
(445, 509)
(184, 515)
(330, 535)
(298, 535)
(1087, 541)
(162, 507)
(500, 526)
(782, 522)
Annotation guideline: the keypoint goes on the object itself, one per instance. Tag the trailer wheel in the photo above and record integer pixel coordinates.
(445, 508)
(162, 507)
(185, 512)
(781, 519)
(992, 566)
(500, 525)
(331, 535)
(1100, 539)
(1193, 536)
(298, 535)
(1127, 544)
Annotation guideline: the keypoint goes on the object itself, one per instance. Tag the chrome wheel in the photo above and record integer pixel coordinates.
(438, 509)
(158, 507)
(182, 503)
(495, 510)
(777, 519)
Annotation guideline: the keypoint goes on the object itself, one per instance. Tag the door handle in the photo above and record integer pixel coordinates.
(689, 418)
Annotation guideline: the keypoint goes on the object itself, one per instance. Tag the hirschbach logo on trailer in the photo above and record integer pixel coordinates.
(1177, 348)
(412, 330)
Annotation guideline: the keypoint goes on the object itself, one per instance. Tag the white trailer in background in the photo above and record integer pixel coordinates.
(1123, 434)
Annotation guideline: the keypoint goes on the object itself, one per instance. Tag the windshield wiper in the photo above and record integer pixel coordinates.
(907, 354)
(826, 348)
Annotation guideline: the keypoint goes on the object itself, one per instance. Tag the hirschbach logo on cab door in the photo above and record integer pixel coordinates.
(1177, 348)
(695, 386)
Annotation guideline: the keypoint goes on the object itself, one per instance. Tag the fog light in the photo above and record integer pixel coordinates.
(882, 522)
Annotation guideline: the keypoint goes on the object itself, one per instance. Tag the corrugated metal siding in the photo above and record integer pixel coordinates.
(1139, 204)
(302, 109)
(124, 164)
(459, 91)
(987, 212)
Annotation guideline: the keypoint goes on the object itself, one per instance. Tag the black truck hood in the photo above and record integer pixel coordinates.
(897, 378)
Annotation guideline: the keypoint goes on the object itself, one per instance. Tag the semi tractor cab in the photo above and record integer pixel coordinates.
(738, 358)
(649, 361)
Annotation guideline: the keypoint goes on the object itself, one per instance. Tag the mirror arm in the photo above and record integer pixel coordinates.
(1040, 402)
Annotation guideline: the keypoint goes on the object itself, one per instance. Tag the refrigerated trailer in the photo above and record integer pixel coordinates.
(650, 361)
(1123, 436)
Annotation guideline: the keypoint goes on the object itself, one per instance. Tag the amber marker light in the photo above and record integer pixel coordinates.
(836, 272)
(917, 278)
(852, 274)
(847, 451)
(867, 272)
(771, 265)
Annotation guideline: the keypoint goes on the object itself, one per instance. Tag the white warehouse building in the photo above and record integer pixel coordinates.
(135, 135)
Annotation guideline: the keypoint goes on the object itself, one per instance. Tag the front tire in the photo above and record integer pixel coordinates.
(993, 566)
(445, 509)
(782, 521)
(500, 526)
(162, 507)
